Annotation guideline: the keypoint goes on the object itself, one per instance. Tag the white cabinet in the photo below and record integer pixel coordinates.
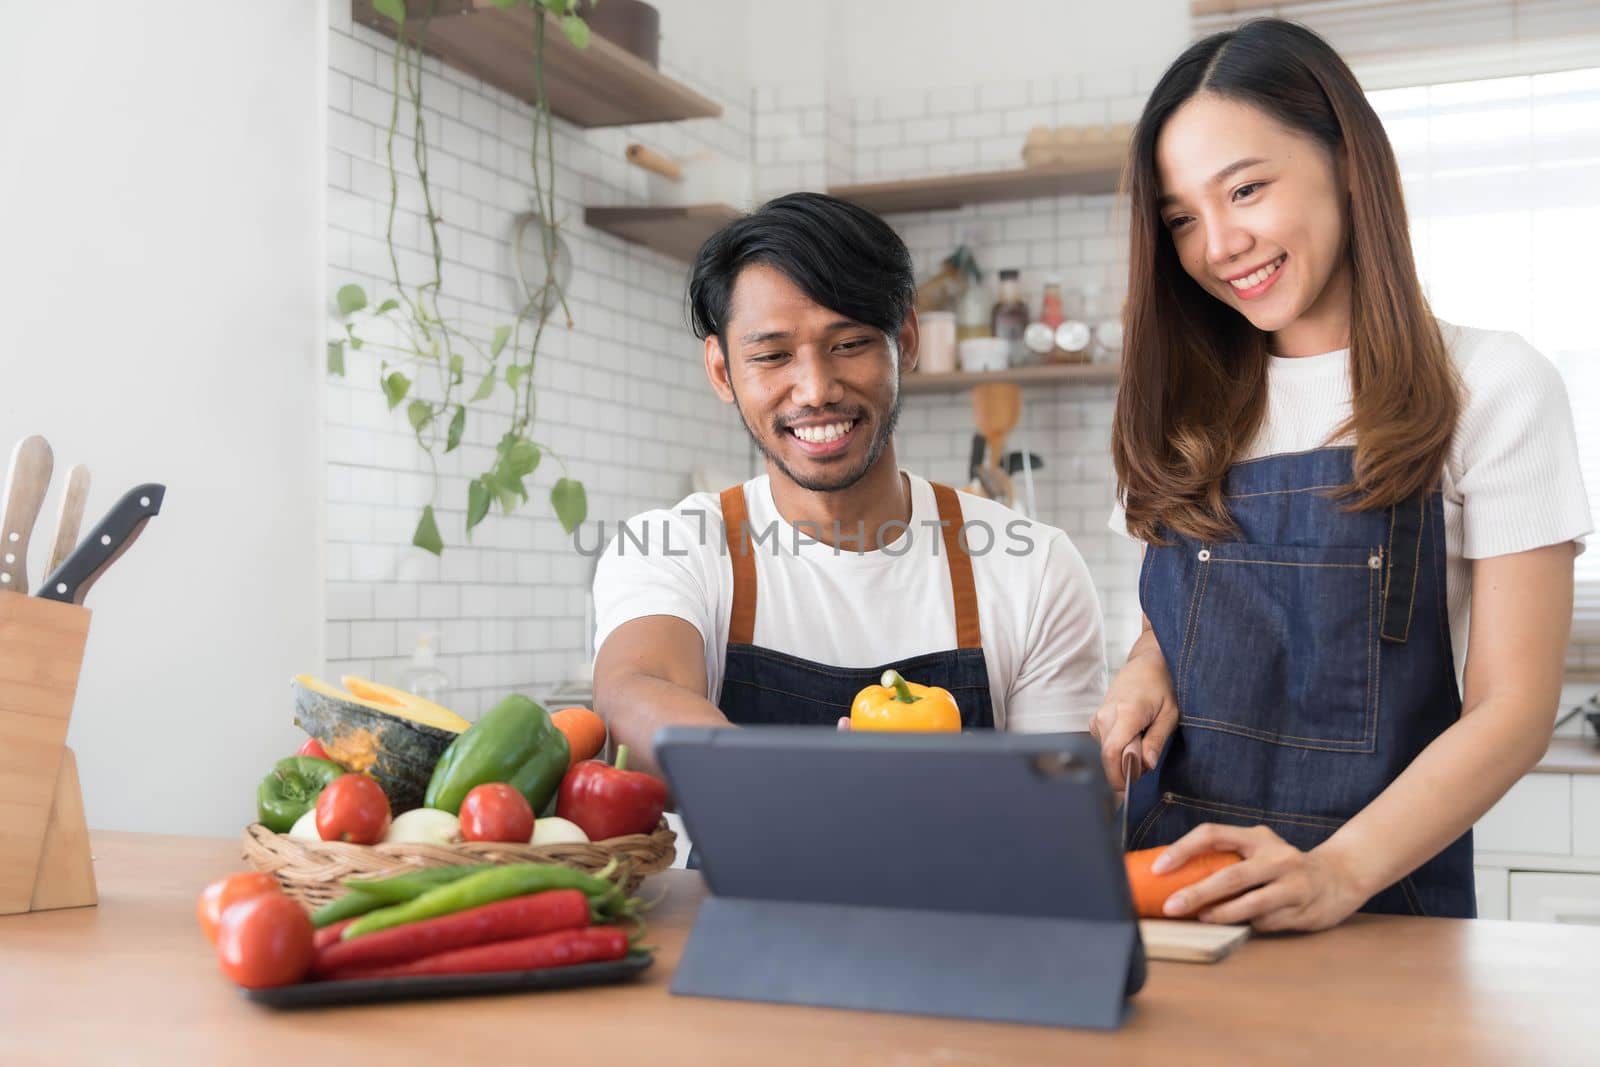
(1493, 892)
(1542, 896)
(1586, 815)
(1534, 816)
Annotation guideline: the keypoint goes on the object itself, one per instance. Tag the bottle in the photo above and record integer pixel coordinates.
(1052, 313)
(1009, 320)
(972, 311)
(424, 678)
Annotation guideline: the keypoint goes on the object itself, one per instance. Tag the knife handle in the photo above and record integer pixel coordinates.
(26, 483)
(70, 517)
(110, 538)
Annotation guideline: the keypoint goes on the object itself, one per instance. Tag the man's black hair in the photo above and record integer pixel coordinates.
(842, 256)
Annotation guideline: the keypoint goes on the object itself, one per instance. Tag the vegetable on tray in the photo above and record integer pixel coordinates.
(370, 894)
(488, 886)
(564, 948)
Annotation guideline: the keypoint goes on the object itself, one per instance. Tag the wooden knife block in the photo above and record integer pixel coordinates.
(44, 841)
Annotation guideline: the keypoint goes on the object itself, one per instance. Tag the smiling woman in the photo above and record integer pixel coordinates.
(1359, 521)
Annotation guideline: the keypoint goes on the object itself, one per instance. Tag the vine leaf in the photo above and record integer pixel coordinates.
(395, 387)
(420, 412)
(485, 387)
(427, 535)
(477, 503)
(352, 298)
(336, 358)
(458, 422)
(395, 9)
(577, 31)
(571, 503)
(501, 335)
(456, 366)
(387, 306)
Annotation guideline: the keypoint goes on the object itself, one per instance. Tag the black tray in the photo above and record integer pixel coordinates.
(377, 990)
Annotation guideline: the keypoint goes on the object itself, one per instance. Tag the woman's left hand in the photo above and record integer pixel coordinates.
(1275, 887)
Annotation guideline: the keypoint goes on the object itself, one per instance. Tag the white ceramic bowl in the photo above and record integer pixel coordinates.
(984, 353)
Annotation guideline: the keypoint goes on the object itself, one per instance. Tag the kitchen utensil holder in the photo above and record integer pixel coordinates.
(44, 840)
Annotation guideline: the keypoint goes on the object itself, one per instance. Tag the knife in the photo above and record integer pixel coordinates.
(26, 482)
(1130, 770)
(70, 582)
(70, 517)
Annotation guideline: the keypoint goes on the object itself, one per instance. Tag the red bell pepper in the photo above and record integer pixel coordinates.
(313, 747)
(606, 801)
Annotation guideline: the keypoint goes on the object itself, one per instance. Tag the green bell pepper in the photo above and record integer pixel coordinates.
(515, 742)
(292, 789)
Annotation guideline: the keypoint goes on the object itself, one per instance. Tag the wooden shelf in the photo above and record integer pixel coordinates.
(675, 231)
(1096, 169)
(602, 85)
(1044, 374)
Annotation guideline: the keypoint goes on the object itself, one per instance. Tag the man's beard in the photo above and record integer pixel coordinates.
(838, 482)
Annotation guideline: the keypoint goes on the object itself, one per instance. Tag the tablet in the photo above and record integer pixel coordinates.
(975, 836)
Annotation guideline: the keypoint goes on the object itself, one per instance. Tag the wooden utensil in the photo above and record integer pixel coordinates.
(70, 517)
(996, 407)
(26, 483)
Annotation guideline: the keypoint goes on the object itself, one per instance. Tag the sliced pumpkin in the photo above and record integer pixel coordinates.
(409, 705)
(398, 746)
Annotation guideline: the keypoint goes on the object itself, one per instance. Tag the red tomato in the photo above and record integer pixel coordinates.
(352, 808)
(496, 812)
(216, 898)
(265, 941)
(313, 747)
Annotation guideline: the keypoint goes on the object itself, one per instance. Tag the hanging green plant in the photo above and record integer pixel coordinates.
(415, 339)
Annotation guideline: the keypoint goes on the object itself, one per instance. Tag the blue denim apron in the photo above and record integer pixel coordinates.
(1311, 661)
(763, 687)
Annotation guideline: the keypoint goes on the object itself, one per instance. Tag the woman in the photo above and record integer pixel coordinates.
(1329, 483)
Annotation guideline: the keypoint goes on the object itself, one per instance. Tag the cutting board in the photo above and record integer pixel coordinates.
(1189, 942)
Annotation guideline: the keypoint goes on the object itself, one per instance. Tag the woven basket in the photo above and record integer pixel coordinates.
(310, 871)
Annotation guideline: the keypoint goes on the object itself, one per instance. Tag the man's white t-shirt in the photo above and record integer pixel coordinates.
(1043, 640)
(1512, 480)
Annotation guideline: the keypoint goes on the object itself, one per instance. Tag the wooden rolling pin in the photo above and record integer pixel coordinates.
(653, 161)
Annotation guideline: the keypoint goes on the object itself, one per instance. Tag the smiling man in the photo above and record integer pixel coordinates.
(776, 601)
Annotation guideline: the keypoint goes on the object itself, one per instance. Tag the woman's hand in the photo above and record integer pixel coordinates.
(1275, 887)
(1139, 701)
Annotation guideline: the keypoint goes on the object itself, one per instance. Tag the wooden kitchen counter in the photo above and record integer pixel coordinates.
(133, 981)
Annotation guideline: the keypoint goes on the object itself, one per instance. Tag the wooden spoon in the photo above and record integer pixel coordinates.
(997, 406)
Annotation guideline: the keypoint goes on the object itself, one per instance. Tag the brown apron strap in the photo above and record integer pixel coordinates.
(736, 524)
(968, 632)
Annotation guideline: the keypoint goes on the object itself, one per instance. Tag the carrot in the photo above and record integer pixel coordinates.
(503, 920)
(564, 948)
(1150, 891)
(586, 732)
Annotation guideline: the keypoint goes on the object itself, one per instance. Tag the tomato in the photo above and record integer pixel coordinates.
(496, 812)
(216, 898)
(352, 808)
(313, 747)
(265, 941)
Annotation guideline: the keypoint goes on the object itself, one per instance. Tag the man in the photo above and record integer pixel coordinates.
(777, 600)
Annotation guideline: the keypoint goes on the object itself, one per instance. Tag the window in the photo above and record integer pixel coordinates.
(1502, 181)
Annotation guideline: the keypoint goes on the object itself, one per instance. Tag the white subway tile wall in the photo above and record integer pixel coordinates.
(622, 398)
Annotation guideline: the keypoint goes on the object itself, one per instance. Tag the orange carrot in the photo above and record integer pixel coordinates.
(1150, 891)
(586, 732)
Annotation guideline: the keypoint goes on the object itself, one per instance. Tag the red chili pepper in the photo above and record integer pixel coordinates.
(608, 802)
(504, 920)
(564, 948)
(329, 935)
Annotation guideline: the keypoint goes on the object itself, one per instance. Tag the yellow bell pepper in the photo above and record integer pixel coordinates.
(899, 705)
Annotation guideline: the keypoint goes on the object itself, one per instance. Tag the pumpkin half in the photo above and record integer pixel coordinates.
(378, 730)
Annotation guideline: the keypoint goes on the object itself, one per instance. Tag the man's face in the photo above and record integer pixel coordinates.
(818, 393)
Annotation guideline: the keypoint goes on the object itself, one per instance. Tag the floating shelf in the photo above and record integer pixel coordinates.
(1096, 168)
(601, 85)
(1044, 374)
(674, 231)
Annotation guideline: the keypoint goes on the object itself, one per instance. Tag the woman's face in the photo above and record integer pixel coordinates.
(1257, 216)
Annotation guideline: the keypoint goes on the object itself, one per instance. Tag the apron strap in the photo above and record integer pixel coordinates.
(736, 525)
(1406, 522)
(968, 633)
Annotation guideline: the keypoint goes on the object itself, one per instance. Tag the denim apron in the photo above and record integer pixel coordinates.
(1311, 662)
(763, 687)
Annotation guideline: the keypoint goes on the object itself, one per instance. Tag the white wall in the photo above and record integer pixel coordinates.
(160, 260)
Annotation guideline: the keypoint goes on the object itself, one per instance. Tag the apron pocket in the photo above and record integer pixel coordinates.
(1281, 645)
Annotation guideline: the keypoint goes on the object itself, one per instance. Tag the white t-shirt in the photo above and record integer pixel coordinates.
(1512, 480)
(1043, 640)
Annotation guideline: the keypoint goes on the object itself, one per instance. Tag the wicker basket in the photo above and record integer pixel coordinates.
(310, 871)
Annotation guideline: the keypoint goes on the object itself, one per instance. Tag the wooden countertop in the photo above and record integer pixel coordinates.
(132, 982)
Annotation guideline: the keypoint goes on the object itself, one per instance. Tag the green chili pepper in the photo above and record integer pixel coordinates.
(292, 789)
(348, 906)
(399, 888)
(485, 887)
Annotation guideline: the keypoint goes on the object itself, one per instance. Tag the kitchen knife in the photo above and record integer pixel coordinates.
(70, 582)
(1130, 771)
(70, 517)
(26, 482)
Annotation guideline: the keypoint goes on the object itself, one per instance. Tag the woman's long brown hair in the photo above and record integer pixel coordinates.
(1193, 391)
